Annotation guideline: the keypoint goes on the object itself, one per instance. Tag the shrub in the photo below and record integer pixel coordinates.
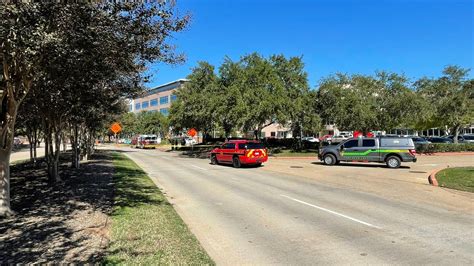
(444, 147)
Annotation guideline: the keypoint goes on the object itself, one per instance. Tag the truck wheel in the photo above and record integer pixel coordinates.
(329, 159)
(214, 159)
(236, 162)
(393, 162)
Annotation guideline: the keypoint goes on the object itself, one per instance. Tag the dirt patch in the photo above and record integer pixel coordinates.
(66, 222)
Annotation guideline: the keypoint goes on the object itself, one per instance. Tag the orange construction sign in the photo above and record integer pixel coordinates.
(116, 128)
(192, 132)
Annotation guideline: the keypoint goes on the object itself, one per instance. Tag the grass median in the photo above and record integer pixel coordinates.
(460, 178)
(145, 228)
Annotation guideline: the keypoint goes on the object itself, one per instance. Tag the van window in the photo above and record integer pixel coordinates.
(351, 143)
(368, 143)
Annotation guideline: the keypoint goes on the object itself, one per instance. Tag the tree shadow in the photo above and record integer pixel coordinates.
(52, 220)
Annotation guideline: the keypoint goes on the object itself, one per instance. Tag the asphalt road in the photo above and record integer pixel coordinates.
(254, 216)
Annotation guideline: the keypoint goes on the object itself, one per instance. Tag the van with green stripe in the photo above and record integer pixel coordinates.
(389, 150)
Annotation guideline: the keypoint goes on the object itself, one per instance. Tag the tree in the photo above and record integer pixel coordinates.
(20, 41)
(78, 58)
(197, 100)
(452, 98)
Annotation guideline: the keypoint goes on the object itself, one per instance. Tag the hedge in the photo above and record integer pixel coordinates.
(444, 147)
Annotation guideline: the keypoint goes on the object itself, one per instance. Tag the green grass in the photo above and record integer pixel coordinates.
(460, 178)
(145, 228)
(290, 153)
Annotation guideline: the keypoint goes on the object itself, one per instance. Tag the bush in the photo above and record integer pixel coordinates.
(444, 147)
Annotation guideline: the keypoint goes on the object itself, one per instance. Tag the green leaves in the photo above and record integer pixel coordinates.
(245, 95)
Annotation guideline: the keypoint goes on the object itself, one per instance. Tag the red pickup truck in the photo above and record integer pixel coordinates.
(239, 152)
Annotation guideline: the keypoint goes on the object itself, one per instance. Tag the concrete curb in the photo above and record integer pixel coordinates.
(432, 177)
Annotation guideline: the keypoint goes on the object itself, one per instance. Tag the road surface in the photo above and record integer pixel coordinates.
(256, 216)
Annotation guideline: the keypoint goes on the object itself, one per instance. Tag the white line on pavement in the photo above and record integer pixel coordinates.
(198, 167)
(332, 212)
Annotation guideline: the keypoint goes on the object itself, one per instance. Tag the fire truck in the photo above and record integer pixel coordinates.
(145, 141)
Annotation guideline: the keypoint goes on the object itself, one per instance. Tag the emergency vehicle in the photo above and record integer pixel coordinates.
(392, 151)
(145, 141)
(240, 152)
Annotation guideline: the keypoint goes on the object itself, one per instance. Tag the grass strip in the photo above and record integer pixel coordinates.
(145, 228)
(460, 178)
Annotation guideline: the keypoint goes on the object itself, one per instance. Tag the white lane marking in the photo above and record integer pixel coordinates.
(198, 167)
(430, 164)
(332, 212)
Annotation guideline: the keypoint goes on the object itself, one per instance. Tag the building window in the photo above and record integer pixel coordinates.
(154, 102)
(164, 100)
(273, 134)
(130, 108)
(137, 106)
(144, 105)
(164, 111)
(173, 97)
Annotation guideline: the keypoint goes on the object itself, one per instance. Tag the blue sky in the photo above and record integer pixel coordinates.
(417, 38)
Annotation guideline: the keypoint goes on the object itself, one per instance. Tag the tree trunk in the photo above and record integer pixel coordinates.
(57, 152)
(35, 140)
(456, 133)
(30, 140)
(5, 209)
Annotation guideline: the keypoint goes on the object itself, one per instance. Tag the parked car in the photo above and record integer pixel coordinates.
(339, 138)
(325, 138)
(440, 140)
(145, 141)
(240, 152)
(310, 139)
(188, 141)
(464, 138)
(392, 151)
(419, 140)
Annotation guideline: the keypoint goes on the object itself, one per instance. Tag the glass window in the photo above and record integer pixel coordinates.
(229, 146)
(154, 102)
(173, 98)
(251, 145)
(351, 143)
(144, 105)
(130, 108)
(368, 143)
(164, 111)
(137, 106)
(164, 100)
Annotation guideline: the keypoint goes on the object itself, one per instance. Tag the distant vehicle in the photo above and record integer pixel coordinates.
(339, 138)
(348, 134)
(440, 140)
(464, 138)
(326, 138)
(188, 141)
(17, 141)
(145, 141)
(240, 152)
(310, 139)
(419, 140)
(392, 151)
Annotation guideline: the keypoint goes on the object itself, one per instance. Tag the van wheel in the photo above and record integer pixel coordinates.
(236, 162)
(393, 162)
(329, 159)
(214, 160)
